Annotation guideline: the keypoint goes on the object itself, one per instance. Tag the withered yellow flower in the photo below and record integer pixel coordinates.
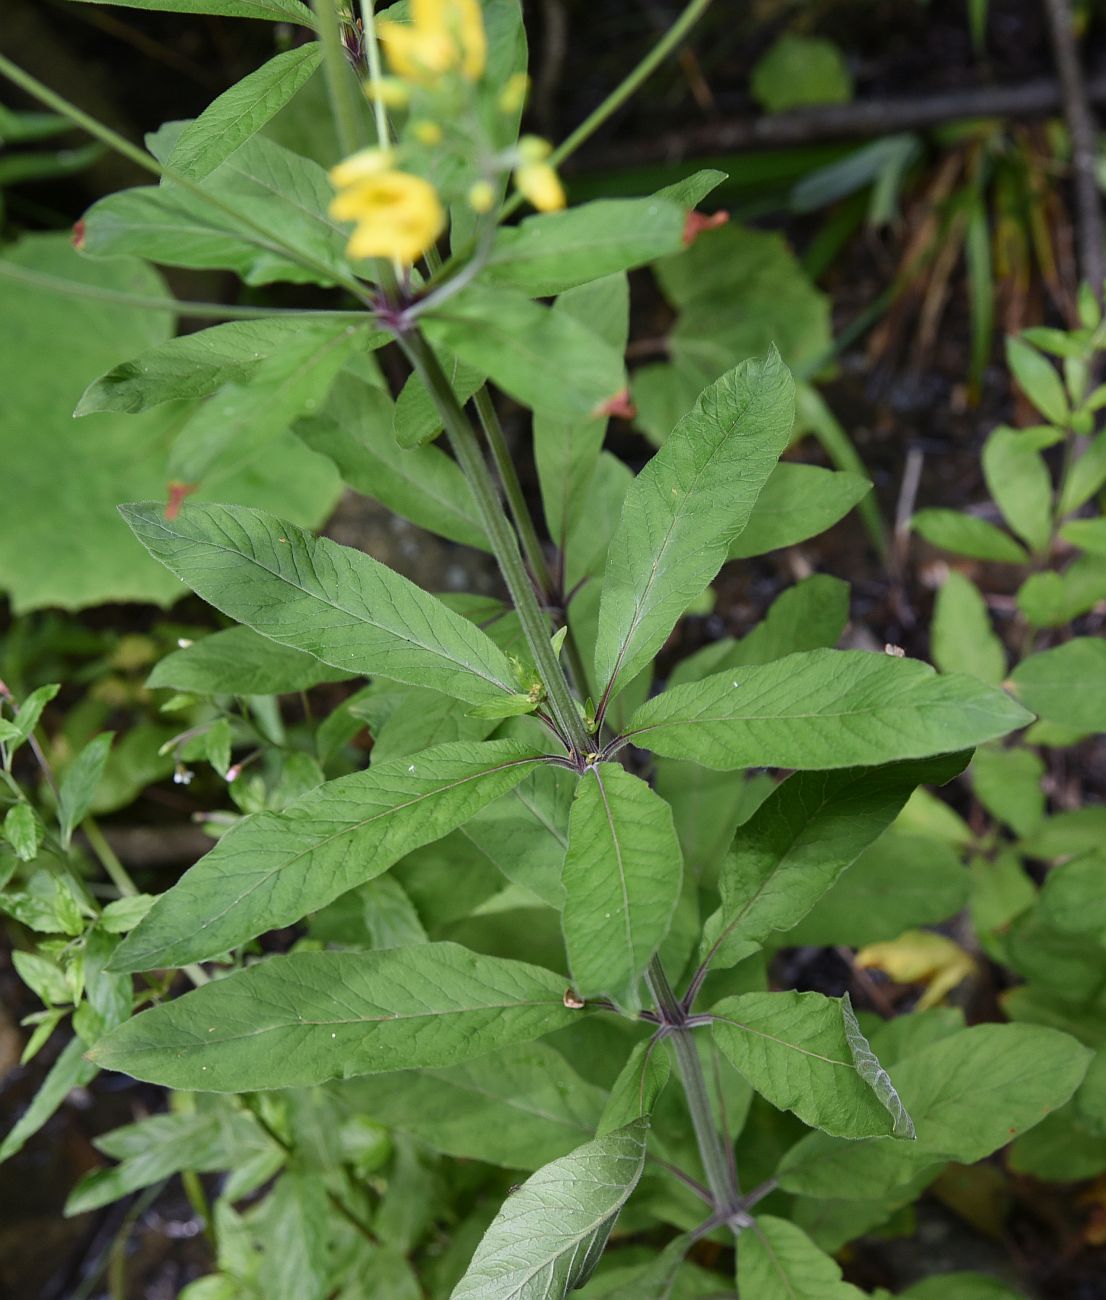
(441, 36)
(396, 215)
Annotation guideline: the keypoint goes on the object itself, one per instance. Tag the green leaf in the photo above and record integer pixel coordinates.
(162, 1145)
(196, 365)
(18, 731)
(1072, 898)
(961, 1286)
(546, 360)
(548, 1237)
(692, 190)
(242, 111)
(520, 1108)
(777, 1261)
(1038, 380)
(423, 484)
(43, 977)
(656, 1280)
(1007, 782)
(416, 419)
(1089, 534)
(333, 602)
(801, 70)
(297, 1215)
(640, 1082)
(241, 420)
(968, 535)
(1067, 684)
(299, 1020)
(622, 876)
(802, 1053)
(801, 839)
(962, 639)
(1087, 475)
(901, 880)
(823, 709)
(684, 510)
(554, 251)
(23, 831)
(1018, 479)
(239, 661)
(79, 782)
(58, 494)
(968, 1095)
(566, 451)
(1056, 599)
(798, 501)
(272, 868)
(276, 11)
(69, 1071)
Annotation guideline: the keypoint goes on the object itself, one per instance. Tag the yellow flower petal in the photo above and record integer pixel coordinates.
(442, 35)
(539, 183)
(367, 162)
(398, 216)
(427, 132)
(481, 196)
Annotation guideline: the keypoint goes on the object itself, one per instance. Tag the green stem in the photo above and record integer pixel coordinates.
(345, 99)
(535, 625)
(512, 488)
(372, 53)
(260, 234)
(717, 1164)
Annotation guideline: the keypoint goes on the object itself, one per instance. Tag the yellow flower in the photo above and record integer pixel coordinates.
(539, 183)
(389, 91)
(397, 215)
(360, 166)
(920, 957)
(442, 35)
(481, 196)
(426, 132)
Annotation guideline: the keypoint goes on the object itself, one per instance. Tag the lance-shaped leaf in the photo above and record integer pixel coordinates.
(236, 423)
(640, 1082)
(520, 1108)
(798, 501)
(547, 360)
(1067, 684)
(968, 1094)
(553, 251)
(274, 11)
(793, 1048)
(685, 509)
(299, 1020)
(800, 840)
(196, 365)
(331, 601)
(777, 1261)
(550, 1233)
(237, 661)
(238, 113)
(622, 875)
(273, 868)
(824, 709)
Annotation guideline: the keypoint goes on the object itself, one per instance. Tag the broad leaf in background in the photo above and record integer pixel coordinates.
(550, 1233)
(78, 784)
(71, 1070)
(547, 360)
(554, 251)
(622, 877)
(801, 839)
(795, 1050)
(824, 709)
(239, 661)
(242, 111)
(58, 497)
(798, 501)
(299, 1020)
(968, 535)
(962, 639)
(797, 71)
(1018, 480)
(777, 1261)
(1067, 684)
(968, 1095)
(684, 510)
(520, 1108)
(271, 869)
(416, 418)
(331, 601)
